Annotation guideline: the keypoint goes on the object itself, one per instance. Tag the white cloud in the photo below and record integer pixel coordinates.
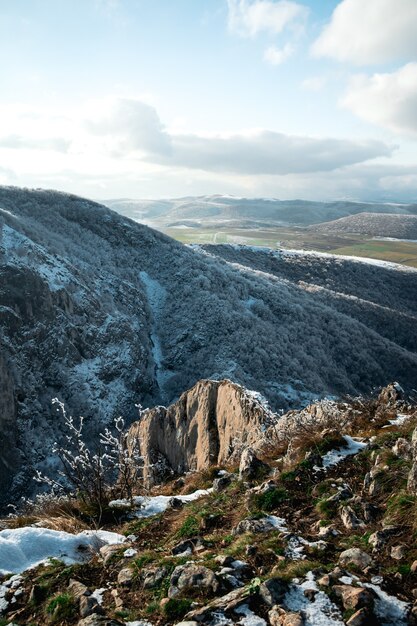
(388, 100)
(131, 124)
(17, 142)
(370, 31)
(118, 142)
(247, 18)
(314, 83)
(276, 56)
(268, 152)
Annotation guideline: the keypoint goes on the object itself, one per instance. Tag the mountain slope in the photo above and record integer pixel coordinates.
(207, 210)
(375, 224)
(104, 313)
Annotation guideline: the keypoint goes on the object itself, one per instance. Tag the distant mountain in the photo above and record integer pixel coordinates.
(374, 224)
(206, 210)
(103, 313)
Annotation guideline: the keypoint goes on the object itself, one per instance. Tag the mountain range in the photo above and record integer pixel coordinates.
(105, 313)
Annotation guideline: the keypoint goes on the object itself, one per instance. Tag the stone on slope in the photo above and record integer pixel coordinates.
(356, 557)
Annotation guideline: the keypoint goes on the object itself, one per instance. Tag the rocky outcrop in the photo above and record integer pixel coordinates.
(211, 424)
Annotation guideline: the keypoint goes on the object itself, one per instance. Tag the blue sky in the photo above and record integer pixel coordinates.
(162, 98)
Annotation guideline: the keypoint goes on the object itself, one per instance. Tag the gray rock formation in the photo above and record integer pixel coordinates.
(209, 425)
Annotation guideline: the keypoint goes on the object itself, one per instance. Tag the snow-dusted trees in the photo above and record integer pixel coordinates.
(94, 476)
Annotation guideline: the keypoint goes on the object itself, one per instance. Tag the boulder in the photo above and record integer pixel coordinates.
(273, 590)
(175, 503)
(379, 538)
(360, 618)
(221, 483)
(350, 519)
(390, 395)
(398, 552)
(77, 589)
(192, 576)
(254, 526)
(279, 617)
(250, 466)
(152, 576)
(89, 605)
(187, 546)
(125, 577)
(354, 597)
(356, 557)
(402, 448)
(228, 602)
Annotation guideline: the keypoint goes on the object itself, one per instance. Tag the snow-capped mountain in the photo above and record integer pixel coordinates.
(104, 313)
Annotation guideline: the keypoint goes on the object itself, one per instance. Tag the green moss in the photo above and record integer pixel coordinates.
(189, 528)
(326, 508)
(62, 607)
(176, 608)
(269, 500)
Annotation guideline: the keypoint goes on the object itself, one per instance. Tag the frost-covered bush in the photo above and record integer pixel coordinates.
(95, 476)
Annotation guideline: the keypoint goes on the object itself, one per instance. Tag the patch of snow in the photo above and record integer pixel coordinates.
(320, 612)
(148, 506)
(138, 623)
(295, 547)
(250, 618)
(277, 522)
(98, 595)
(333, 457)
(24, 548)
(130, 552)
(389, 609)
(398, 421)
(9, 213)
(357, 259)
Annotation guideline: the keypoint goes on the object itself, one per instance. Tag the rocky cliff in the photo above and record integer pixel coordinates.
(209, 425)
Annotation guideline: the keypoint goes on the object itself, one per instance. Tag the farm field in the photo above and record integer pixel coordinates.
(396, 251)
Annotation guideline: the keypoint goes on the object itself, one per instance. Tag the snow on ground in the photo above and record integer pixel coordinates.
(153, 505)
(335, 456)
(398, 421)
(250, 618)
(320, 612)
(24, 548)
(98, 595)
(389, 609)
(295, 544)
(156, 295)
(287, 253)
(295, 547)
(277, 522)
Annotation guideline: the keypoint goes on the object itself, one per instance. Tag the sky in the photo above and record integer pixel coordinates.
(313, 99)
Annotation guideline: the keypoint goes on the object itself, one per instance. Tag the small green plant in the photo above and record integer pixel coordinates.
(402, 509)
(271, 499)
(176, 608)
(62, 607)
(189, 528)
(326, 508)
(152, 608)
